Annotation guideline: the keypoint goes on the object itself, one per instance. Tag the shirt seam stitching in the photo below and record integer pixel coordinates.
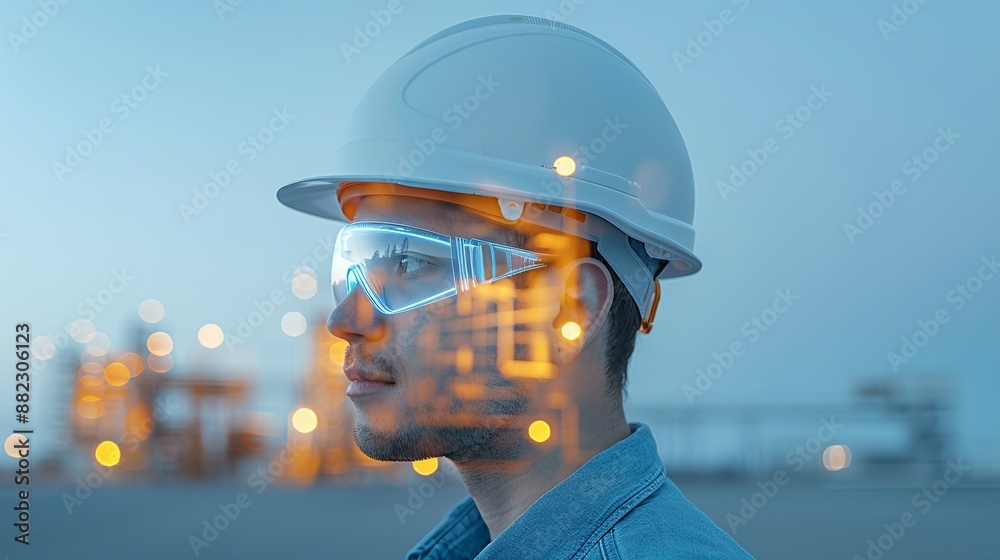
(645, 489)
(613, 546)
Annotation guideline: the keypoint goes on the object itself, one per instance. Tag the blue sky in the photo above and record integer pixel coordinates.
(208, 80)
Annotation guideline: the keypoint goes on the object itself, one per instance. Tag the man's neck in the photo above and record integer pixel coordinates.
(503, 492)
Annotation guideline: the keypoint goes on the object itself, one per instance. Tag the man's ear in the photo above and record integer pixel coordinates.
(586, 303)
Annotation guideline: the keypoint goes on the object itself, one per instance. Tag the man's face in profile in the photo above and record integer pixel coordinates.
(448, 396)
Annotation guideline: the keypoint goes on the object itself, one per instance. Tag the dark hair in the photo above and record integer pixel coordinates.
(624, 319)
(623, 322)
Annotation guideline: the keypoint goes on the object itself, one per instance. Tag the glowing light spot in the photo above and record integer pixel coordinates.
(107, 453)
(159, 343)
(151, 311)
(304, 420)
(43, 348)
(836, 457)
(10, 442)
(133, 361)
(211, 335)
(117, 374)
(571, 330)
(91, 368)
(293, 323)
(90, 407)
(160, 364)
(539, 431)
(95, 391)
(92, 380)
(426, 467)
(564, 165)
(337, 350)
(82, 330)
(304, 283)
(99, 344)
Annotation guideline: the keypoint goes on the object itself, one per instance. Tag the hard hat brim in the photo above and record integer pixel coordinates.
(317, 196)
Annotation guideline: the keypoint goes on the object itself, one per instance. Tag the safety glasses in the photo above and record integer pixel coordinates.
(401, 267)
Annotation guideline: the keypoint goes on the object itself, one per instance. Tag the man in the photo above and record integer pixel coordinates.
(515, 187)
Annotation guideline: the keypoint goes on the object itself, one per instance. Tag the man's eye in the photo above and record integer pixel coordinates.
(409, 265)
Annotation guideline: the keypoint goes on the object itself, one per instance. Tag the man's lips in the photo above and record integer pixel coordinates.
(356, 374)
(364, 382)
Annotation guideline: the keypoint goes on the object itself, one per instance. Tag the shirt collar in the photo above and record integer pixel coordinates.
(569, 518)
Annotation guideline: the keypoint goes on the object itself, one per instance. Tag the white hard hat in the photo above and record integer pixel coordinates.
(541, 116)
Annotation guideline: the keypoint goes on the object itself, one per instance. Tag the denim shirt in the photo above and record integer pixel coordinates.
(618, 505)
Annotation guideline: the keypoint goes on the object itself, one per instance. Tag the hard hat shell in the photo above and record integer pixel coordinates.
(487, 107)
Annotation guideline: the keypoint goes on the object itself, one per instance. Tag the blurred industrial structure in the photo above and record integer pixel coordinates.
(892, 426)
(142, 417)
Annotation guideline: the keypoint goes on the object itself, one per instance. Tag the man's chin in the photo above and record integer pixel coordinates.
(393, 445)
(413, 443)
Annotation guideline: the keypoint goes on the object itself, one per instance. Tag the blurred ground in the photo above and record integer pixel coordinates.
(336, 522)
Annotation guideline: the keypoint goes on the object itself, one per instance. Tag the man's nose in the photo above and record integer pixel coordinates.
(355, 317)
